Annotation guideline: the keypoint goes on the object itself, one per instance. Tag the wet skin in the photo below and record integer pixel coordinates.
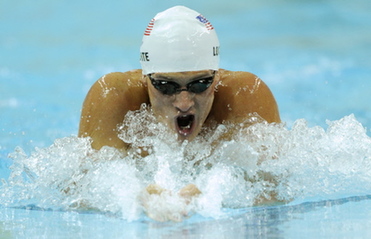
(231, 97)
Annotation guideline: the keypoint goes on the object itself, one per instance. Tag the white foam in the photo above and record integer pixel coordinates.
(255, 163)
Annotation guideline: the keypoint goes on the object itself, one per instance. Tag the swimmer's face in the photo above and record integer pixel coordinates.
(183, 111)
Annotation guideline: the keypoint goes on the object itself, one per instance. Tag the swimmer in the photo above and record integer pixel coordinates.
(181, 81)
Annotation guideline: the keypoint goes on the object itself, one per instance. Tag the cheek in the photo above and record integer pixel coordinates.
(205, 102)
(159, 103)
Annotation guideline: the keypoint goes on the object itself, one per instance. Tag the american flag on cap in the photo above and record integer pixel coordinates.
(149, 28)
(206, 22)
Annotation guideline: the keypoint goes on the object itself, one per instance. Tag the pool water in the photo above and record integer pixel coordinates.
(313, 55)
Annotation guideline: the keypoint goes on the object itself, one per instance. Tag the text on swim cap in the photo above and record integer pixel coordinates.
(144, 56)
(215, 50)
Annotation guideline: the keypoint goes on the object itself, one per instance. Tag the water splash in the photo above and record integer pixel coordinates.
(232, 165)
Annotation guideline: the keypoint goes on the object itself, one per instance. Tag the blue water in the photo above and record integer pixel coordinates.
(314, 55)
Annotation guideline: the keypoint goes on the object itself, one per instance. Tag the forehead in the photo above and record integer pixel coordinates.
(187, 75)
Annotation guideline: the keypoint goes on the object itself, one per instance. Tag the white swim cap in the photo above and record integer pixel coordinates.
(177, 40)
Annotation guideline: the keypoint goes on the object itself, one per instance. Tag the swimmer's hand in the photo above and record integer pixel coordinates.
(188, 192)
(162, 205)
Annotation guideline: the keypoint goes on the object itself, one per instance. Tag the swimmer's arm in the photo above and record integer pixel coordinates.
(242, 93)
(106, 105)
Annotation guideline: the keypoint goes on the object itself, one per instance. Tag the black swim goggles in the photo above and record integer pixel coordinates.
(171, 88)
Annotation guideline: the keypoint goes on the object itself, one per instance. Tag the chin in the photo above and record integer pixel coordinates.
(189, 137)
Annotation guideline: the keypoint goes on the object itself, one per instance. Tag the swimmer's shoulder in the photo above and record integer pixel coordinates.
(122, 80)
(237, 78)
(241, 93)
(106, 104)
(121, 87)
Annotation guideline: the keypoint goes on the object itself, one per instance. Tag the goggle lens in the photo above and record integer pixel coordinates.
(171, 88)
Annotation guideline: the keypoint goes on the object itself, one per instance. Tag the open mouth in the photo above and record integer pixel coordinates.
(185, 123)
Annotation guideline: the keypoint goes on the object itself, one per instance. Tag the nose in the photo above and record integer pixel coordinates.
(184, 101)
